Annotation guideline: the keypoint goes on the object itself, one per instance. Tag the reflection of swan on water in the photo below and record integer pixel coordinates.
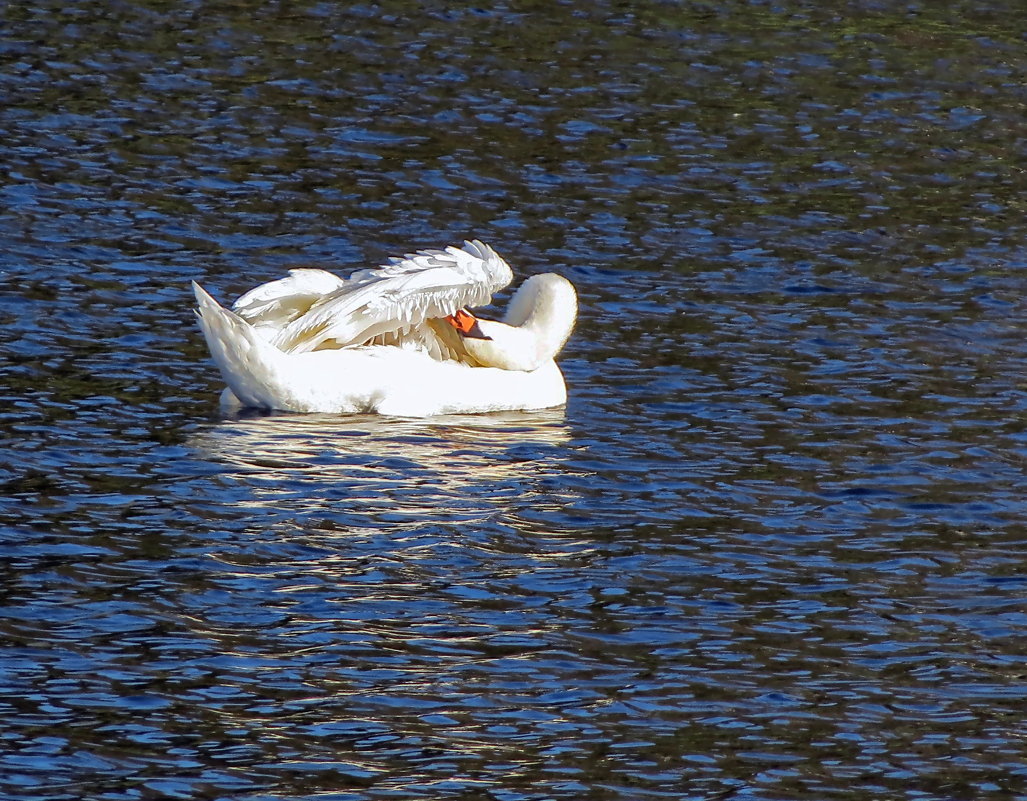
(395, 340)
(430, 468)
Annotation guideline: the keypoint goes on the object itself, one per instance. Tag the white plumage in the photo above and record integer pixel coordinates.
(379, 340)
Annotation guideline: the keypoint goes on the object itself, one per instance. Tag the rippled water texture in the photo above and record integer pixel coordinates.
(774, 548)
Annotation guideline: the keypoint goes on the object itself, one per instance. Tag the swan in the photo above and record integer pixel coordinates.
(397, 340)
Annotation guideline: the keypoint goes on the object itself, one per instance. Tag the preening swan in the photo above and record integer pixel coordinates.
(397, 339)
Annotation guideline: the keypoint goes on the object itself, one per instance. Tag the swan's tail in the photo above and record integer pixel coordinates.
(248, 364)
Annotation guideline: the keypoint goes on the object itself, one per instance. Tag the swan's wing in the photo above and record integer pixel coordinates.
(399, 297)
(277, 303)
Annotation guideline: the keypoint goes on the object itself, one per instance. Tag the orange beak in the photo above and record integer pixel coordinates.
(466, 323)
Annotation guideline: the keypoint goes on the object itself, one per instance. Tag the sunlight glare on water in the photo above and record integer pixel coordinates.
(773, 546)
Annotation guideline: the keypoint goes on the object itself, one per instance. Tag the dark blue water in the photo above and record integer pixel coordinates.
(772, 549)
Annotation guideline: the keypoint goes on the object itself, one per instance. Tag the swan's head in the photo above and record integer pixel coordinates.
(537, 324)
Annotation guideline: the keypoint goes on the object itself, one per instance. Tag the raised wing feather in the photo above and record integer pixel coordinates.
(272, 306)
(397, 297)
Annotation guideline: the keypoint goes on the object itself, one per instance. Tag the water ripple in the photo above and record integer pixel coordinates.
(772, 547)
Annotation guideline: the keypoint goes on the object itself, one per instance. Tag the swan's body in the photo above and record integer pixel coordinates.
(386, 340)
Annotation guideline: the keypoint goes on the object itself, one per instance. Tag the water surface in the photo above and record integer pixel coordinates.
(773, 546)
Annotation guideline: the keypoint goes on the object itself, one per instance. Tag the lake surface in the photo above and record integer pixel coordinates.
(773, 548)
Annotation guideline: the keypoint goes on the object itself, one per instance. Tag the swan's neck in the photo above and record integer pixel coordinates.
(537, 324)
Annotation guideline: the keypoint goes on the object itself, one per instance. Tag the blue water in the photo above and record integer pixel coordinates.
(773, 548)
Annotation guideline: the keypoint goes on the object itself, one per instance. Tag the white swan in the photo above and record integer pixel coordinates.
(396, 340)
